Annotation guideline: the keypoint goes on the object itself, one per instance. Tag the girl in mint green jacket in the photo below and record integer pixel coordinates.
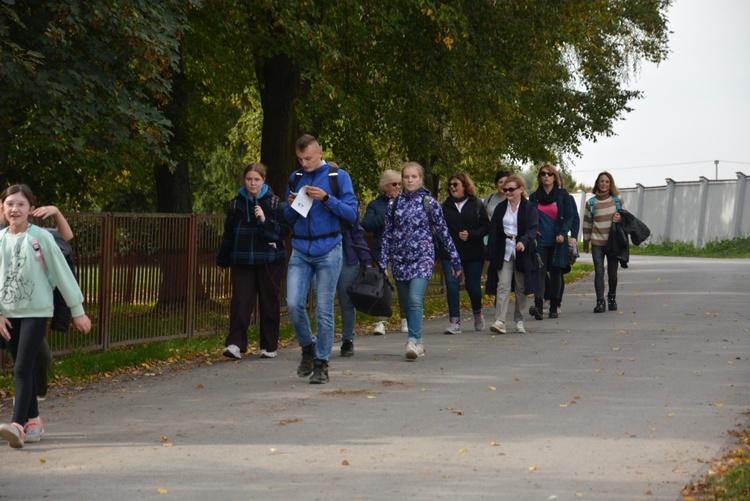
(31, 266)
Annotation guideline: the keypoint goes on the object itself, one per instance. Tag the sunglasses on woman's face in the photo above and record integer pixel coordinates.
(546, 173)
(395, 184)
(510, 189)
(455, 185)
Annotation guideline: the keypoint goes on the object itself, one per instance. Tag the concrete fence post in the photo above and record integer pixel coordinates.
(670, 210)
(703, 203)
(739, 204)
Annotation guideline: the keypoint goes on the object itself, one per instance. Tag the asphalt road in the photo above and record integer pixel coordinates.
(623, 405)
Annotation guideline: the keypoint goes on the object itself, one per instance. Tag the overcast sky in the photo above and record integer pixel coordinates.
(695, 108)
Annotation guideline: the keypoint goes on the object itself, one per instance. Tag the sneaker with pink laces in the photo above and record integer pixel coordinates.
(13, 433)
(34, 430)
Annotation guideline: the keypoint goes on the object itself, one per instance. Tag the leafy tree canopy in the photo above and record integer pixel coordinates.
(81, 86)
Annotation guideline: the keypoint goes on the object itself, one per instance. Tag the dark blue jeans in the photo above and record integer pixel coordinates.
(472, 271)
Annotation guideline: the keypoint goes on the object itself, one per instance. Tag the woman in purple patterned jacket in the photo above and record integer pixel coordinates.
(411, 219)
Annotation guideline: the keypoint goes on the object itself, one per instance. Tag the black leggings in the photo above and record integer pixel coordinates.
(555, 279)
(26, 336)
(597, 253)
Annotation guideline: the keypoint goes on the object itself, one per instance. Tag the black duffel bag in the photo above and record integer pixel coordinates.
(371, 291)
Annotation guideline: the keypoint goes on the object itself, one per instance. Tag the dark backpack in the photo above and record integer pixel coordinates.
(61, 318)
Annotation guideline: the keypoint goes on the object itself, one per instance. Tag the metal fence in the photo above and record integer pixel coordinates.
(148, 277)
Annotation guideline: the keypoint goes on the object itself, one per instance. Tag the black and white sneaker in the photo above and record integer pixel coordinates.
(347, 348)
(232, 351)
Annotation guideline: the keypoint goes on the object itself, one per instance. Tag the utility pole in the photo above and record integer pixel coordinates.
(716, 164)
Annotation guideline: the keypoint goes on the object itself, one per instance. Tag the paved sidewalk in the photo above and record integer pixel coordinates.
(623, 405)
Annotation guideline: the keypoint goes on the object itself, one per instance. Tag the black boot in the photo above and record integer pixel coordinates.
(537, 310)
(320, 372)
(599, 306)
(612, 304)
(306, 364)
(347, 348)
(553, 308)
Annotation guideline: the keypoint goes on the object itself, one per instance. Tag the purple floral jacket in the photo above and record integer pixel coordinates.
(407, 238)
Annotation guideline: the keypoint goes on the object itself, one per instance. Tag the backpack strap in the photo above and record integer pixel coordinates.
(592, 204)
(333, 180)
(618, 202)
(294, 180)
(37, 247)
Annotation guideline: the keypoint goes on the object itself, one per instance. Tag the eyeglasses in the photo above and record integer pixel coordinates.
(455, 185)
(546, 173)
(510, 190)
(395, 184)
(20, 205)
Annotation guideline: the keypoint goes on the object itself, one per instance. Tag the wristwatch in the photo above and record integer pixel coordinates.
(326, 198)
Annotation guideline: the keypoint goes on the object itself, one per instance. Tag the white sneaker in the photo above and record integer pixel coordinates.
(478, 321)
(13, 435)
(498, 327)
(232, 351)
(412, 352)
(268, 354)
(519, 327)
(404, 325)
(453, 328)
(420, 350)
(379, 329)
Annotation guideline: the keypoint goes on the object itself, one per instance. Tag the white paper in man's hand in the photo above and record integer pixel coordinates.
(302, 202)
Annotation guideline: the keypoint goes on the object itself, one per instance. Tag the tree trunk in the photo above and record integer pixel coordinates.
(173, 195)
(279, 83)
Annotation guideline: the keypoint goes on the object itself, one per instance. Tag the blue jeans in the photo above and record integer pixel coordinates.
(472, 273)
(348, 312)
(411, 295)
(302, 269)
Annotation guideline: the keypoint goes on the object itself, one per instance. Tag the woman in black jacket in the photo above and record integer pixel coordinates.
(468, 223)
(253, 246)
(512, 253)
